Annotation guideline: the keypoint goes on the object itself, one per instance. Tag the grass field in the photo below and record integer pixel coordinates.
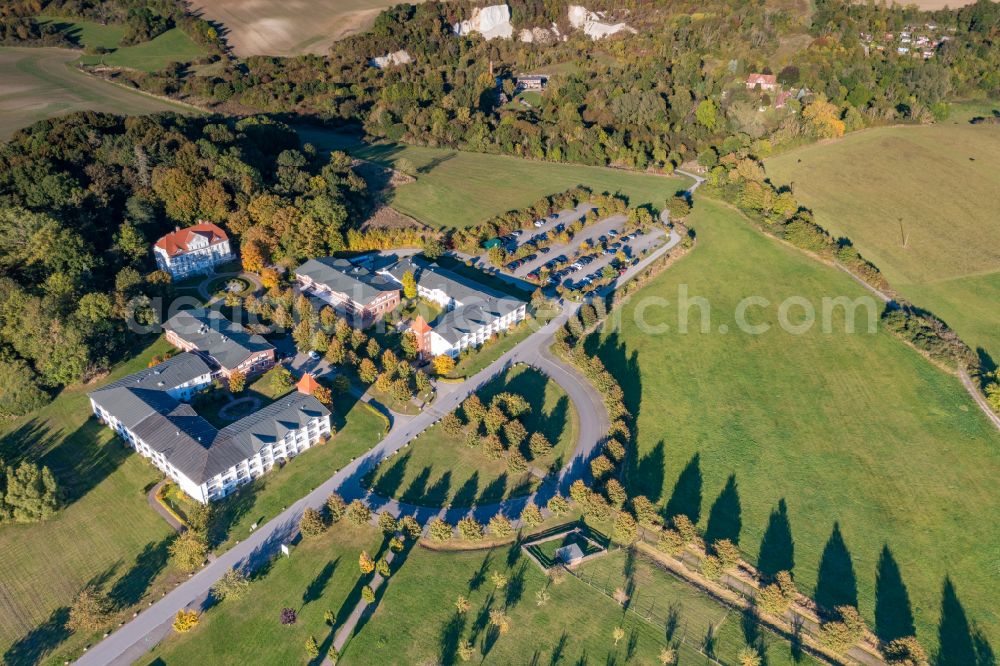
(319, 576)
(438, 468)
(40, 83)
(172, 46)
(696, 620)
(416, 622)
(107, 534)
(456, 189)
(854, 430)
(936, 188)
(289, 28)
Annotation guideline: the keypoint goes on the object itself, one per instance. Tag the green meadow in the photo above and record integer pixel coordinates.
(845, 457)
(923, 204)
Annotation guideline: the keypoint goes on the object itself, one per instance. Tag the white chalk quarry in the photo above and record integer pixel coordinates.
(590, 22)
(491, 22)
(400, 57)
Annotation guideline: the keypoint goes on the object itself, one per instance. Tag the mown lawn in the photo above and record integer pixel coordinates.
(416, 622)
(320, 575)
(107, 534)
(438, 468)
(868, 445)
(172, 46)
(456, 189)
(689, 617)
(922, 203)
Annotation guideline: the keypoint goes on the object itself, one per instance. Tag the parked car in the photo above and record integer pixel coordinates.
(314, 355)
(533, 276)
(613, 233)
(517, 233)
(539, 223)
(544, 250)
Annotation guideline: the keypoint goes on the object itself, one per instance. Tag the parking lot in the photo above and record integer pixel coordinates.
(608, 230)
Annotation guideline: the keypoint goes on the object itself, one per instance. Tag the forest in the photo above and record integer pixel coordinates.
(82, 198)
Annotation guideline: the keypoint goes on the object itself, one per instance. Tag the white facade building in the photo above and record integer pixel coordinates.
(147, 411)
(193, 250)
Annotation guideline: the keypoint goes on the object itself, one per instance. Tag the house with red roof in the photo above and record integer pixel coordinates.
(193, 250)
(762, 81)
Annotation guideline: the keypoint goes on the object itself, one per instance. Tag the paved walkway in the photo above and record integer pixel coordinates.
(160, 509)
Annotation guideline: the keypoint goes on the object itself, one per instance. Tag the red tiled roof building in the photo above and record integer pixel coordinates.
(193, 250)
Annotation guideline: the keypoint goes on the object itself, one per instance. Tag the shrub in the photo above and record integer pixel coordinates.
(312, 648)
(383, 568)
(616, 493)
(645, 511)
(775, 598)
(409, 526)
(601, 466)
(615, 450)
(188, 550)
(451, 424)
(91, 610)
(749, 656)
(358, 513)
(462, 605)
(905, 652)
(500, 526)
(670, 542)
(579, 491)
(727, 552)
(395, 544)
(440, 530)
(288, 616)
(185, 621)
(311, 523)
(531, 515)
(365, 563)
(539, 446)
(516, 462)
(499, 579)
(233, 585)
(711, 567)
(493, 447)
(500, 620)
(470, 529)
(387, 522)
(625, 530)
(368, 594)
(684, 527)
(558, 505)
(335, 507)
(840, 634)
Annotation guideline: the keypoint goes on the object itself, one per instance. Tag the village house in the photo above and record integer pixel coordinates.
(762, 82)
(193, 250)
(473, 312)
(357, 292)
(148, 410)
(224, 344)
(532, 82)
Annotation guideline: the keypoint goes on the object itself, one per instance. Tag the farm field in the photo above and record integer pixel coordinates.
(289, 28)
(457, 189)
(107, 534)
(439, 468)
(864, 443)
(38, 83)
(937, 188)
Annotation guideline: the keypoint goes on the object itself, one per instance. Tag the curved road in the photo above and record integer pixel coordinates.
(138, 636)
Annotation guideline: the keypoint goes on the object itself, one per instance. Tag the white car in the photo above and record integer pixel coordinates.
(539, 223)
(314, 355)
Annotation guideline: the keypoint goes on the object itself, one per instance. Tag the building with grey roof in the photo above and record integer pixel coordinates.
(359, 293)
(227, 344)
(473, 312)
(148, 410)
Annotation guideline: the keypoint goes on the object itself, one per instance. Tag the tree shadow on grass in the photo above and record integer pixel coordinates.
(836, 584)
(494, 491)
(479, 577)
(437, 494)
(36, 644)
(515, 586)
(647, 476)
(959, 642)
(686, 496)
(130, 587)
(893, 611)
(318, 584)
(391, 479)
(559, 650)
(725, 517)
(777, 548)
(448, 641)
(418, 487)
(465, 496)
